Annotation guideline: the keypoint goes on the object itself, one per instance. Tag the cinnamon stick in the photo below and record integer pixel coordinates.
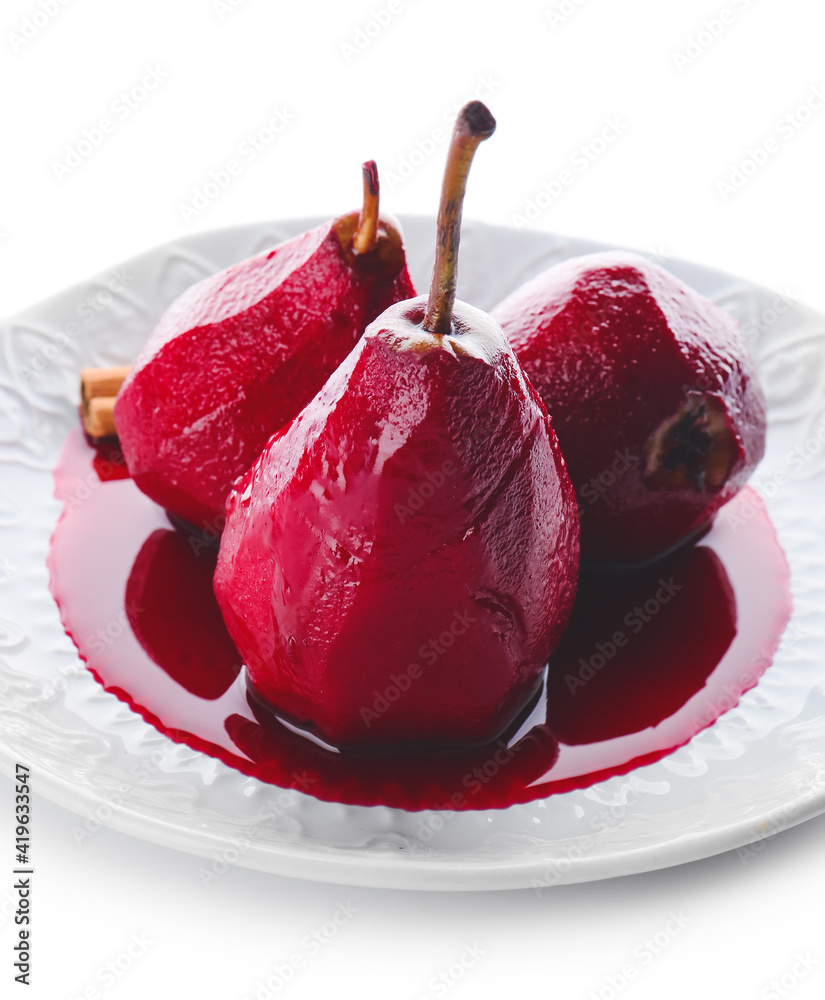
(98, 390)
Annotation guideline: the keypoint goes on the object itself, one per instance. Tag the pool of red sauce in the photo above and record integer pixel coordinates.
(651, 657)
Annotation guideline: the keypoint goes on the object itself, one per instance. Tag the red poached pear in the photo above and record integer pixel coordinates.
(240, 353)
(401, 560)
(653, 395)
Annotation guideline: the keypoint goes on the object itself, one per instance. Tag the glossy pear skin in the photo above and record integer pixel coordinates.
(401, 560)
(240, 353)
(617, 348)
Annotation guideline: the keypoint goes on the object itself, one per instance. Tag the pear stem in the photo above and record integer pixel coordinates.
(473, 125)
(366, 235)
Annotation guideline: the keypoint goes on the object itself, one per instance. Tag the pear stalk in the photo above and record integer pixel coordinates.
(473, 125)
(366, 235)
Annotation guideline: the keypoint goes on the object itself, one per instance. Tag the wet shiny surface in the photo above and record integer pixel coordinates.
(238, 355)
(615, 346)
(413, 529)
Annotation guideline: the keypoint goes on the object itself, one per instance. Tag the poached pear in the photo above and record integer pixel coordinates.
(653, 394)
(401, 559)
(238, 355)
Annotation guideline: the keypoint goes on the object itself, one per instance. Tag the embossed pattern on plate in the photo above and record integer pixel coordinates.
(760, 768)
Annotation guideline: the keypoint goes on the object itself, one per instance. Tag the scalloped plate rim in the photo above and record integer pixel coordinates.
(381, 868)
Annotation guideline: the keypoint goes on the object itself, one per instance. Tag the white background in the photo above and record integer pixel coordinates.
(692, 104)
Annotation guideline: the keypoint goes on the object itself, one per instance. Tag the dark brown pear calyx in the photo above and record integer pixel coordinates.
(695, 449)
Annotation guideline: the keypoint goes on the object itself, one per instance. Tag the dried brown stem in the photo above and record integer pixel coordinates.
(473, 125)
(366, 235)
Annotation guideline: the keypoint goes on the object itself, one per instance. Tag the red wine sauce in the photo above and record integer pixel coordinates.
(651, 656)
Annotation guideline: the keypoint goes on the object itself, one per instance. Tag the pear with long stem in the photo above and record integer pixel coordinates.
(399, 563)
(238, 355)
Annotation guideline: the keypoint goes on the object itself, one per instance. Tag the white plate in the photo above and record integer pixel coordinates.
(760, 768)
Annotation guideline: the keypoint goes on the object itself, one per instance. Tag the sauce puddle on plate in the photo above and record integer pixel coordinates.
(651, 657)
